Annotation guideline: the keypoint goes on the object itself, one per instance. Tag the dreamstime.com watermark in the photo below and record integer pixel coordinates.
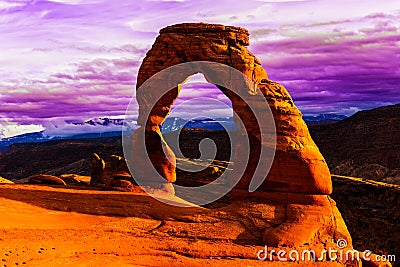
(340, 253)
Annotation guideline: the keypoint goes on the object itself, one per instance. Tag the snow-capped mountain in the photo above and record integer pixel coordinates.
(175, 123)
(94, 128)
(105, 127)
(323, 119)
(23, 138)
(101, 122)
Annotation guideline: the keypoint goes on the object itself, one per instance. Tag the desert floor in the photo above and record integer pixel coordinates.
(55, 226)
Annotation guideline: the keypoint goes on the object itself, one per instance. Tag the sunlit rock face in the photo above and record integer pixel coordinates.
(291, 208)
(298, 166)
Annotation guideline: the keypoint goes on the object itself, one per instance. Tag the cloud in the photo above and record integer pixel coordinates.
(67, 59)
(335, 69)
(101, 87)
(9, 129)
(280, 1)
(8, 5)
(201, 107)
(61, 127)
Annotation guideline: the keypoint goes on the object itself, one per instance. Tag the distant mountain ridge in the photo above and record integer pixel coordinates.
(323, 119)
(106, 127)
(366, 144)
(23, 138)
(102, 127)
(172, 124)
(102, 122)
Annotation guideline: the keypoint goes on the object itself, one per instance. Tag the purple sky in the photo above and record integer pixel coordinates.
(70, 59)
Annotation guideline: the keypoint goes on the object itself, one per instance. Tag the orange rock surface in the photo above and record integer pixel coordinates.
(298, 166)
(58, 226)
(291, 208)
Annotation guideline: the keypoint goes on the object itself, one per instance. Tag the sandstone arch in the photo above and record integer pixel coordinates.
(298, 166)
(291, 208)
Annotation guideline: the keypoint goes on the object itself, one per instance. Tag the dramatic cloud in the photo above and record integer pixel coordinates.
(62, 60)
(340, 71)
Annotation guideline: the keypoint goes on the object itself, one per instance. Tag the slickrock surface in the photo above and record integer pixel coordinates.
(53, 226)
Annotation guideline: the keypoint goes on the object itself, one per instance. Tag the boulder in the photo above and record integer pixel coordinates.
(97, 171)
(75, 179)
(45, 179)
(116, 168)
(105, 172)
(122, 185)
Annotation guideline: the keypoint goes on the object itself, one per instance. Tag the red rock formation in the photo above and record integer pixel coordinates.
(298, 166)
(295, 210)
(97, 171)
(45, 179)
(116, 169)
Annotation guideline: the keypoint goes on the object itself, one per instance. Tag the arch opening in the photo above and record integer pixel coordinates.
(157, 95)
(196, 129)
